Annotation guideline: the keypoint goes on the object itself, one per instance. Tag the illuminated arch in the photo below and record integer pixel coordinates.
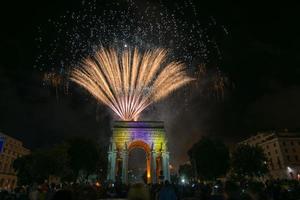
(149, 136)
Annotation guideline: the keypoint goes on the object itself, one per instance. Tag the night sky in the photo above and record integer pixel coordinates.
(260, 56)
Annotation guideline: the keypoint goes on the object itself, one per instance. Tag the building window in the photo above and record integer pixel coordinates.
(271, 164)
(283, 143)
(286, 151)
(292, 143)
(276, 151)
(13, 183)
(296, 157)
(279, 162)
(288, 158)
(5, 168)
(7, 182)
(267, 146)
(11, 167)
(274, 144)
(294, 150)
(269, 153)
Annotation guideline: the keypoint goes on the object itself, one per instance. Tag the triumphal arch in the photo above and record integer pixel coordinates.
(147, 135)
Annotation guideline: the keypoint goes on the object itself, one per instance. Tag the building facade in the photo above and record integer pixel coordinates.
(12, 149)
(282, 150)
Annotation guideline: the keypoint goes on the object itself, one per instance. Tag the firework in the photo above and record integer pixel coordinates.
(129, 81)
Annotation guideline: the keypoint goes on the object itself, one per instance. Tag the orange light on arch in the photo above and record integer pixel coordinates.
(140, 144)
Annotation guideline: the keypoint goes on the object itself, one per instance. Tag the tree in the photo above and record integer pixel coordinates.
(60, 161)
(186, 170)
(37, 166)
(65, 160)
(249, 161)
(24, 168)
(84, 156)
(210, 158)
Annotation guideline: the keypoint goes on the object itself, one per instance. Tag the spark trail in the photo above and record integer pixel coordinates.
(130, 81)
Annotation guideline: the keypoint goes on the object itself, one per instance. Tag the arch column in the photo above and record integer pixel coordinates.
(148, 158)
(165, 163)
(112, 157)
(153, 167)
(125, 166)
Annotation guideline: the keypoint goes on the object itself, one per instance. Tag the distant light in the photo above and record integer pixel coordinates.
(289, 169)
(183, 180)
(113, 185)
(125, 45)
(97, 184)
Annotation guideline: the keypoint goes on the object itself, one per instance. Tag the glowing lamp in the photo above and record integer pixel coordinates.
(182, 180)
(289, 169)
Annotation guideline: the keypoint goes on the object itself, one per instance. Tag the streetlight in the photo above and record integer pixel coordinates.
(182, 180)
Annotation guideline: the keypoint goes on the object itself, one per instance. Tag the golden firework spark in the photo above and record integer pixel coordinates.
(130, 81)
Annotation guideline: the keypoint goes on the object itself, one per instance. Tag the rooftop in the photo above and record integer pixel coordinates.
(138, 124)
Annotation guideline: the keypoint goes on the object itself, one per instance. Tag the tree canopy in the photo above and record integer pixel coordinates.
(65, 160)
(186, 170)
(249, 161)
(210, 158)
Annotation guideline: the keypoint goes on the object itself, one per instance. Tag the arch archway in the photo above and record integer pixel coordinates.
(140, 144)
(149, 136)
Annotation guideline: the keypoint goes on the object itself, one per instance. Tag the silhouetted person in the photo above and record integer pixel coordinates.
(20, 194)
(34, 193)
(232, 190)
(50, 192)
(138, 192)
(86, 193)
(63, 195)
(167, 192)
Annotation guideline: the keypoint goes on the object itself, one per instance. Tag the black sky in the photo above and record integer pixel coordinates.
(260, 56)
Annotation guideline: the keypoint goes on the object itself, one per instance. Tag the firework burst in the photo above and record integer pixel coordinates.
(130, 81)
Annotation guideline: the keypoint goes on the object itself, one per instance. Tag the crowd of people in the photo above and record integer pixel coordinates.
(229, 190)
